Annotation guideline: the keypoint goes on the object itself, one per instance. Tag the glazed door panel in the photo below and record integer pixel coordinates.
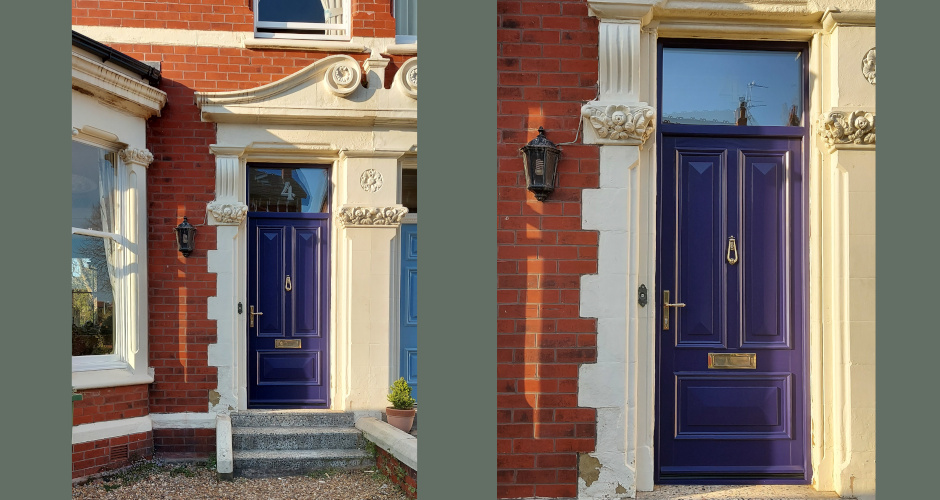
(730, 361)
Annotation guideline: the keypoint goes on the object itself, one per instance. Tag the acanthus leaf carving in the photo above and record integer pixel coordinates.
(136, 156)
(619, 122)
(841, 128)
(371, 216)
(228, 213)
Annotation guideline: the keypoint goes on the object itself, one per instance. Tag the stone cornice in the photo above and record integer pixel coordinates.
(834, 18)
(618, 124)
(847, 129)
(360, 216)
(115, 88)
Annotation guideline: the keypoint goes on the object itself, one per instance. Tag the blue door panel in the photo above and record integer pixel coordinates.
(288, 346)
(718, 424)
(408, 357)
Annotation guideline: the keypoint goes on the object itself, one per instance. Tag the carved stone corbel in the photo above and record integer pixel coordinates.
(618, 124)
(140, 157)
(228, 213)
(357, 216)
(840, 129)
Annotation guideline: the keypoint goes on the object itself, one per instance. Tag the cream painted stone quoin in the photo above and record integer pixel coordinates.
(840, 166)
(319, 115)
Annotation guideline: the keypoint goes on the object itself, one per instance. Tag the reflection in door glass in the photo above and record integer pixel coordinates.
(732, 87)
(303, 190)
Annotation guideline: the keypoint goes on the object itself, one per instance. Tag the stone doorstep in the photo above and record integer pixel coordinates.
(265, 443)
(734, 492)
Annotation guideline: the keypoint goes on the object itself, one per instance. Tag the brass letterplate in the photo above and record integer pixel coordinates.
(287, 343)
(732, 361)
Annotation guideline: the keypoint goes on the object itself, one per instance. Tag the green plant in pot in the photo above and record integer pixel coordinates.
(402, 412)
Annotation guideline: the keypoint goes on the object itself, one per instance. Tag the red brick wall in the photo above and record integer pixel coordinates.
(403, 476)
(107, 454)
(112, 403)
(184, 443)
(371, 18)
(547, 68)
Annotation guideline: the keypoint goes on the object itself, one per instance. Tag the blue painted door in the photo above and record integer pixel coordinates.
(288, 286)
(731, 402)
(408, 362)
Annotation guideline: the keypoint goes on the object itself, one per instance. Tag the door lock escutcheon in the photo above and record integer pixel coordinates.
(287, 285)
(251, 316)
(666, 306)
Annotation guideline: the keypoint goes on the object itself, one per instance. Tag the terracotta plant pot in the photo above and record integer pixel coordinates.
(402, 419)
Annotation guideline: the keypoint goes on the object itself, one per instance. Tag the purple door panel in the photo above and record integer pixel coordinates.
(730, 250)
(288, 345)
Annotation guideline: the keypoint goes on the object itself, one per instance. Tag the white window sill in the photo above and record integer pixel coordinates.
(96, 379)
(320, 45)
(402, 48)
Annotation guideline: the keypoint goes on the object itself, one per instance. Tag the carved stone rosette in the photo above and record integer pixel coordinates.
(371, 181)
(406, 80)
(868, 66)
(842, 128)
(136, 156)
(228, 213)
(343, 77)
(618, 123)
(371, 216)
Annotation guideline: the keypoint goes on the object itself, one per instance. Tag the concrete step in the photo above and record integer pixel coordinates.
(296, 438)
(292, 418)
(274, 463)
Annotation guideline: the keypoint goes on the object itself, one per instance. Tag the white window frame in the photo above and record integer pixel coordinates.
(404, 39)
(344, 28)
(119, 358)
(127, 365)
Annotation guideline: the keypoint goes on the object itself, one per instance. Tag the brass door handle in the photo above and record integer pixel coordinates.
(251, 316)
(732, 256)
(287, 285)
(666, 306)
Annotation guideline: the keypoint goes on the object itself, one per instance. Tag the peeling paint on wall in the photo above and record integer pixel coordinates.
(214, 398)
(620, 489)
(589, 468)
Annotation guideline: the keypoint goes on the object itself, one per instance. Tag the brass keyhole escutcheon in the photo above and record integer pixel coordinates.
(287, 285)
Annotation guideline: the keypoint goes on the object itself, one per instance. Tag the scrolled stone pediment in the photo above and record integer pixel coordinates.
(327, 92)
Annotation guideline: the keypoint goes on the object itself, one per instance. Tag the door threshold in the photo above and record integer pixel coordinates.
(734, 492)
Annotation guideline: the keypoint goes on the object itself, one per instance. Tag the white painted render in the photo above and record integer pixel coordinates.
(110, 106)
(110, 429)
(841, 236)
(314, 116)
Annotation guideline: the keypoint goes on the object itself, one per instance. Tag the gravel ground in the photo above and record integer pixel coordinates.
(153, 480)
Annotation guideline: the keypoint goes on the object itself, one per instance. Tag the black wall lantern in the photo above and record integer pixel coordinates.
(186, 237)
(540, 157)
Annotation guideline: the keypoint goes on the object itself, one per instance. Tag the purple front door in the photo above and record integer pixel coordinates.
(287, 313)
(731, 402)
